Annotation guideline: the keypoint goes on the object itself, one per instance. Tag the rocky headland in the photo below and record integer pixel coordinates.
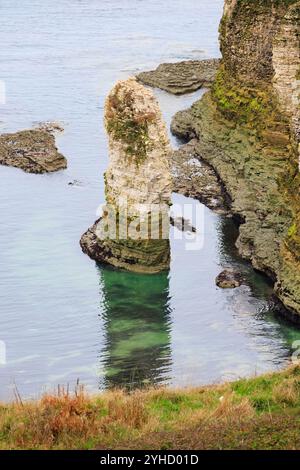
(247, 129)
(33, 151)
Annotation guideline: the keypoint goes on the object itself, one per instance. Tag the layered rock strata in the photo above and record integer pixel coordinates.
(181, 77)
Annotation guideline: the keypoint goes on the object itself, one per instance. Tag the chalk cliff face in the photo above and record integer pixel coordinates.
(260, 44)
(286, 63)
(133, 231)
(247, 128)
(247, 32)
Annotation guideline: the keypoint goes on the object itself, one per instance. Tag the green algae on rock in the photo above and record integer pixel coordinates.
(181, 77)
(138, 185)
(33, 151)
(247, 128)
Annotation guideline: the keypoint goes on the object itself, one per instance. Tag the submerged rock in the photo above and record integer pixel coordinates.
(51, 126)
(76, 183)
(229, 279)
(182, 224)
(33, 151)
(133, 232)
(181, 77)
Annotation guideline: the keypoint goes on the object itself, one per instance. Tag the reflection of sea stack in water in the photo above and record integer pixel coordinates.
(136, 314)
(133, 231)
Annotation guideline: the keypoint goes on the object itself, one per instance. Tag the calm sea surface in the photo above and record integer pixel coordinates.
(61, 316)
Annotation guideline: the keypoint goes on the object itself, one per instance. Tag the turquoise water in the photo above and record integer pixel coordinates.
(63, 317)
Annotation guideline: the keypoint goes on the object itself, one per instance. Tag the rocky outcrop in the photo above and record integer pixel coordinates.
(33, 151)
(193, 177)
(246, 129)
(286, 63)
(250, 174)
(182, 77)
(138, 184)
(140, 256)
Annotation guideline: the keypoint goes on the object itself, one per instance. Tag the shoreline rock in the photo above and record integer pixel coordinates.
(250, 177)
(229, 279)
(193, 177)
(141, 257)
(33, 151)
(181, 77)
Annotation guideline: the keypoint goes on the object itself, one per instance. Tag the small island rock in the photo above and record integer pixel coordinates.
(33, 151)
(229, 279)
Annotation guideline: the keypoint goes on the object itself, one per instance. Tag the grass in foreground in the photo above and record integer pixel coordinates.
(257, 413)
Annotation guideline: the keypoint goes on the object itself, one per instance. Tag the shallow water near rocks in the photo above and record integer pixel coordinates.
(63, 317)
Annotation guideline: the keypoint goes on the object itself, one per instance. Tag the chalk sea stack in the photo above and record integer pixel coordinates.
(138, 184)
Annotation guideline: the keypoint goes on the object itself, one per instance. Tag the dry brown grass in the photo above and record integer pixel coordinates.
(54, 418)
(255, 413)
(232, 410)
(288, 392)
(129, 410)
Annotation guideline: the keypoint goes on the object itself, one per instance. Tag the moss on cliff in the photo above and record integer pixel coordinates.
(128, 126)
(247, 105)
(245, 102)
(293, 237)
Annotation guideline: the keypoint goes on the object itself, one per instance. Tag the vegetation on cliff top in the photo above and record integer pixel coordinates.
(257, 413)
(128, 126)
